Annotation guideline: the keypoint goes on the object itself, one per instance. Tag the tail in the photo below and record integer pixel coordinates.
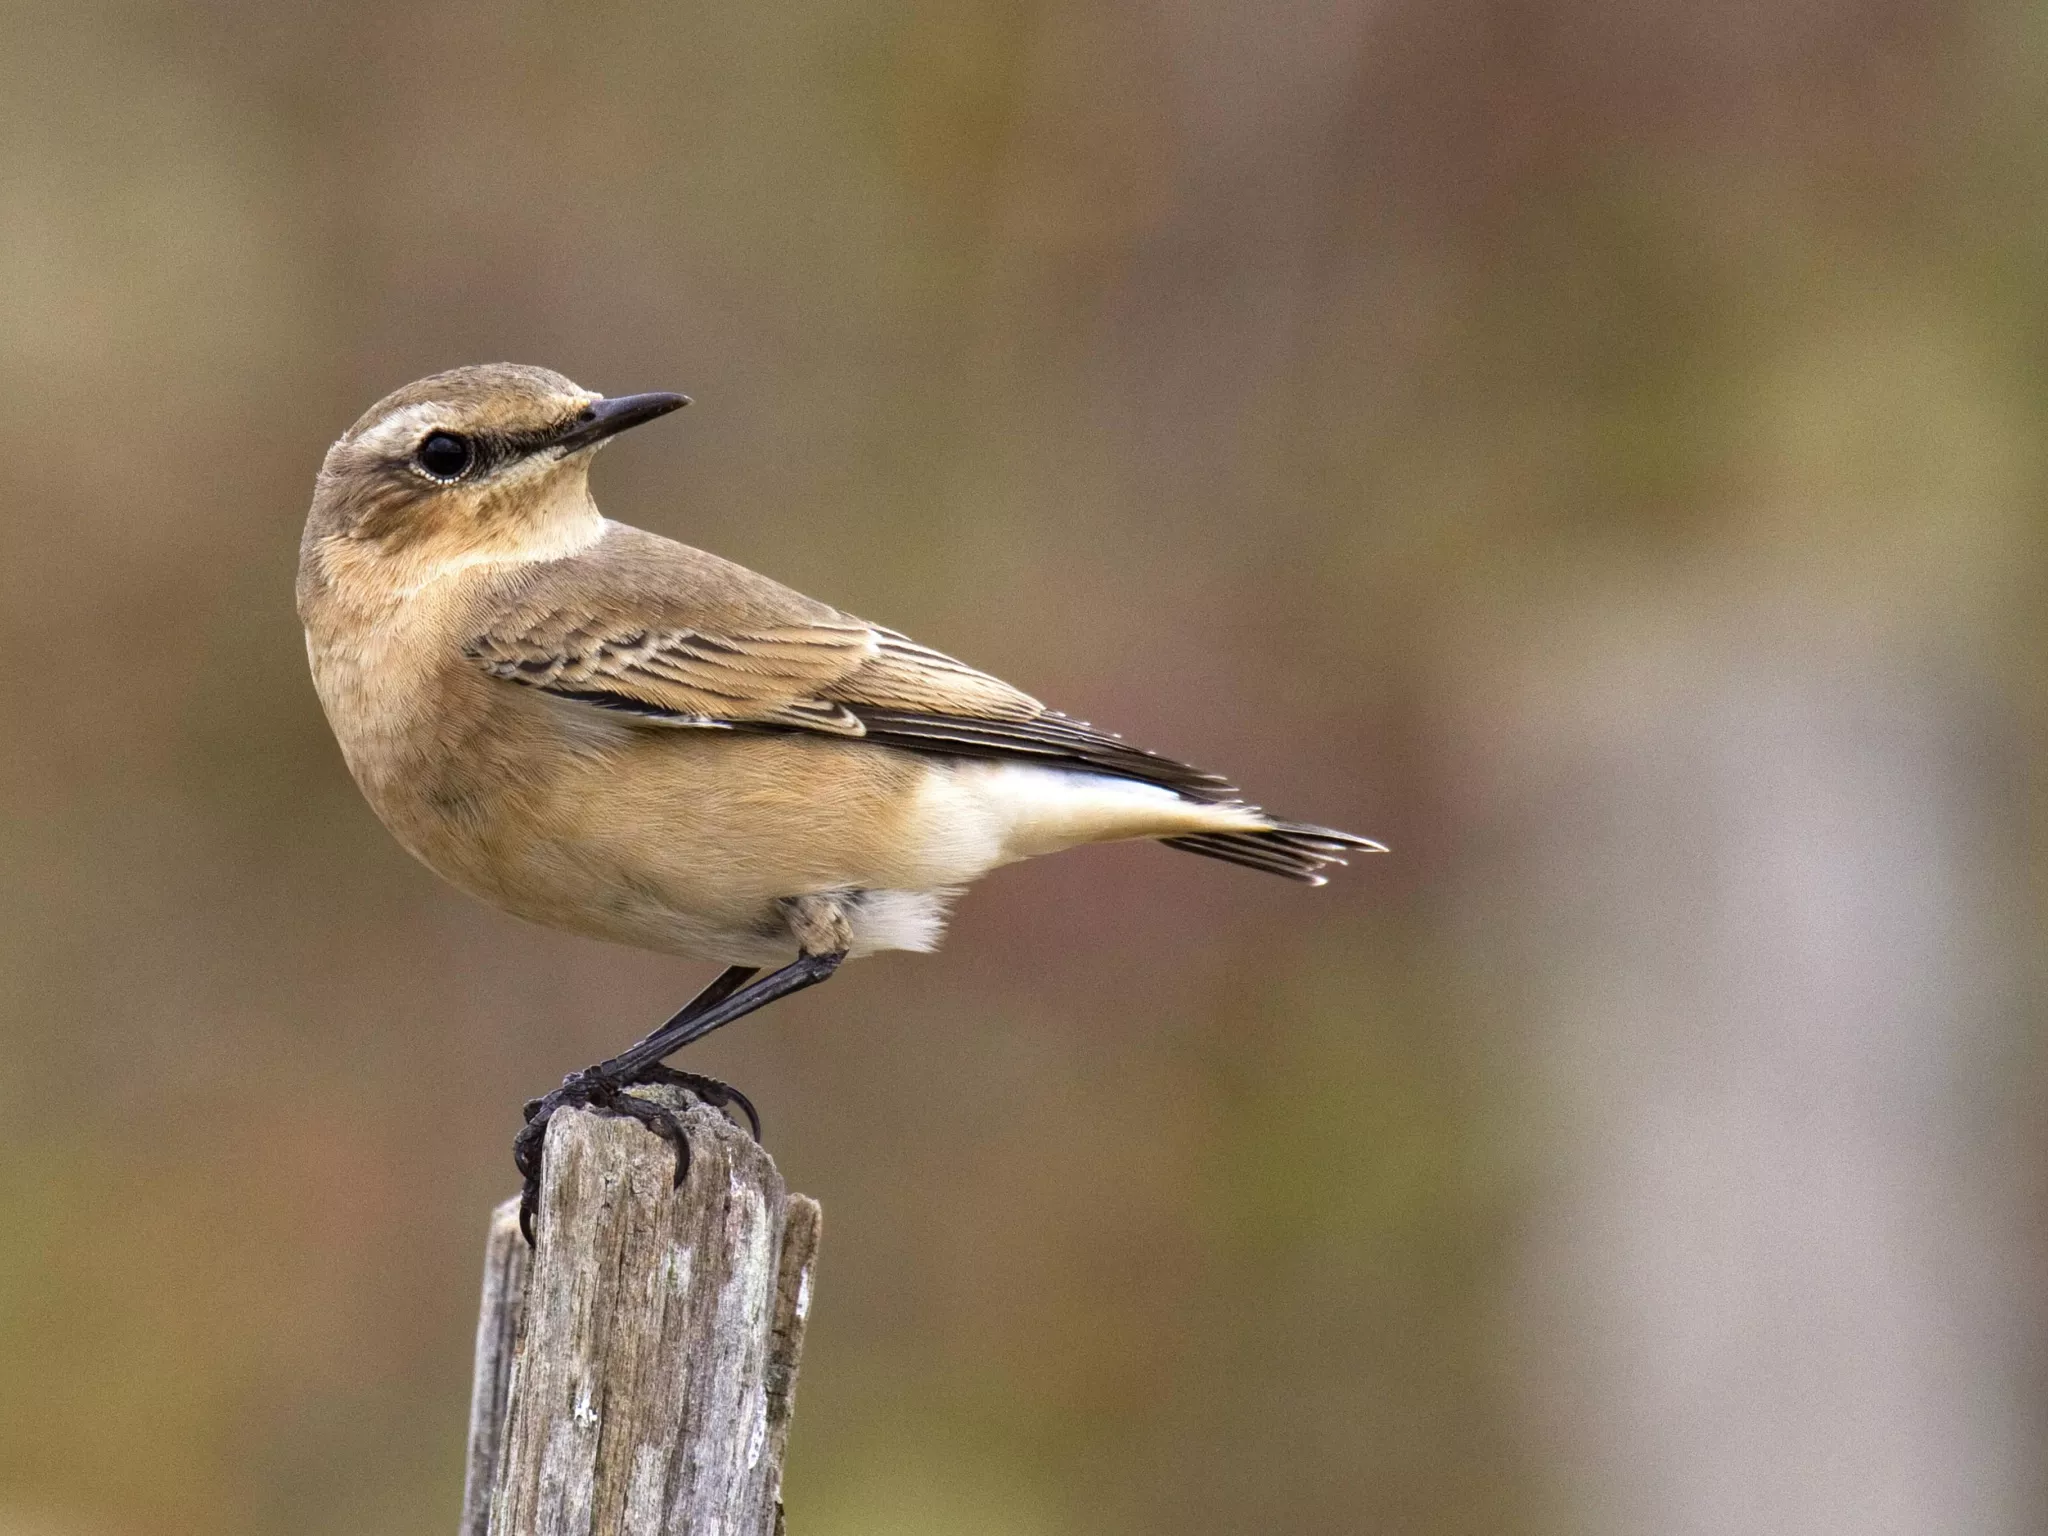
(1290, 848)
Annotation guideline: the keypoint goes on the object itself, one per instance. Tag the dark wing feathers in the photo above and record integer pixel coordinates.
(920, 700)
(1051, 738)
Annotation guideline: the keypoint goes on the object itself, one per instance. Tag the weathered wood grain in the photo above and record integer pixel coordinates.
(801, 1225)
(506, 1265)
(650, 1390)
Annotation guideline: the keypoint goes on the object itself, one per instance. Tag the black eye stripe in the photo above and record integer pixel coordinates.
(513, 445)
(487, 450)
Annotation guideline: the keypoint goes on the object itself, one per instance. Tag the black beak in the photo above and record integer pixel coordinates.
(605, 418)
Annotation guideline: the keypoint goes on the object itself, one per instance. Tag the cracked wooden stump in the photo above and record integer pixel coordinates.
(636, 1371)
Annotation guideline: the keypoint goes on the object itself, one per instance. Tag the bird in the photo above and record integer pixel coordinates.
(602, 730)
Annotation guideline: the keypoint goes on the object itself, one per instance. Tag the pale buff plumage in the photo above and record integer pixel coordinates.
(612, 733)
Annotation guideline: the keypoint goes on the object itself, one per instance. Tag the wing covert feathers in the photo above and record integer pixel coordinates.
(767, 676)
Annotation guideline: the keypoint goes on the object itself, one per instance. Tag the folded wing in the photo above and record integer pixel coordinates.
(676, 638)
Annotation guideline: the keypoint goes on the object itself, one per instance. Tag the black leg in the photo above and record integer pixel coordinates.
(721, 1096)
(713, 1092)
(732, 996)
(723, 985)
(694, 1023)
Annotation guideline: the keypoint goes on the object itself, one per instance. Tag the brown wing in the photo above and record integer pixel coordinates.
(697, 676)
(677, 638)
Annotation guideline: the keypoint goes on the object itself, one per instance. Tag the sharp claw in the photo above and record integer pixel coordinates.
(709, 1090)
(747, 1108)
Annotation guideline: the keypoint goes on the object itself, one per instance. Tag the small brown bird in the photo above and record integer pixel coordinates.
(605, 731)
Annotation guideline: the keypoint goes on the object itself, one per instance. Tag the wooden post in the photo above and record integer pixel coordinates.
(507, 1264)
(636, 1372)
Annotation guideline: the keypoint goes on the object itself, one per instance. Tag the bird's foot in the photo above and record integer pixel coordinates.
(722, 1097)
(589, 1089)
(592, 1089)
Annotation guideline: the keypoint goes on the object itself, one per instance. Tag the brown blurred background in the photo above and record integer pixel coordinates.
(1595, 447)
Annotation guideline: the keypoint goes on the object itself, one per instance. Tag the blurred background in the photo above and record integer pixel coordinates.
(1595, 447)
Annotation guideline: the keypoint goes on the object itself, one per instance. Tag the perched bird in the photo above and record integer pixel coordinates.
(605, 731)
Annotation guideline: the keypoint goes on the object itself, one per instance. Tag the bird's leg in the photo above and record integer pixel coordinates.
(823, 934)
(718, 1095)
(594, 1088)
(603, 1086)
(804, 971)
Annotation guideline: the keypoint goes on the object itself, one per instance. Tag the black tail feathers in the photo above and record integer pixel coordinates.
(1291, 849)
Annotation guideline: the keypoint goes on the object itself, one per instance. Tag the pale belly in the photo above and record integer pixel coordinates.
(696, 858)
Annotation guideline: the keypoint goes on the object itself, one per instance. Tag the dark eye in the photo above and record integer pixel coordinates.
(445, 456)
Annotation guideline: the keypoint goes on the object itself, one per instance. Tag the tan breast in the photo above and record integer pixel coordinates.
(409, 714)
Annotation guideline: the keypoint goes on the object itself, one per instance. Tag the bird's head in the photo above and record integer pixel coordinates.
(476, 464)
